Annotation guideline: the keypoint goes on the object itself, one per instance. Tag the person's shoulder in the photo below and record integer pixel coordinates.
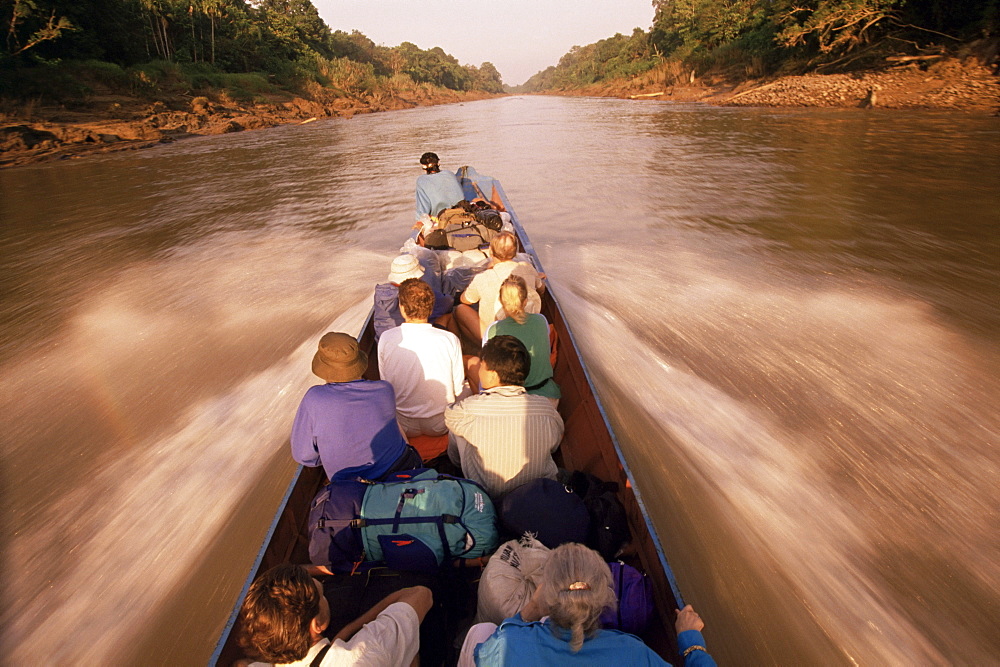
(540, 403)
(384, 291)
(632, 647)
(443, 334)
(391, 336)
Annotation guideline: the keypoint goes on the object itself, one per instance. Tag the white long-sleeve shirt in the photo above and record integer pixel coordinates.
(424, 366)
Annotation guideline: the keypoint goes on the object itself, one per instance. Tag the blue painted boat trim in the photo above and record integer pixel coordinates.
(214, 660)
(530, 249)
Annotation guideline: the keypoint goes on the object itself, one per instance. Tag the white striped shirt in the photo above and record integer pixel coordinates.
(505, 437)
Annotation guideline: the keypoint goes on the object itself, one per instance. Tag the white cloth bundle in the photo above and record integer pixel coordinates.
(510, 579)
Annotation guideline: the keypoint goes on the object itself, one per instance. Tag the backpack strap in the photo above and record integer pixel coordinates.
(318, 660)
(538, 385)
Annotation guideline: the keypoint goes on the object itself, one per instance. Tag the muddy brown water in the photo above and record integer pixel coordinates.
(792, 317)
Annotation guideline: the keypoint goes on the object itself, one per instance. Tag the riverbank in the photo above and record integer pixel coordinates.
(107, 122)
(957, 83)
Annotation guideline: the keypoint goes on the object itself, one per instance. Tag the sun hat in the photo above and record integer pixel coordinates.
(403, 267)
(338, 358)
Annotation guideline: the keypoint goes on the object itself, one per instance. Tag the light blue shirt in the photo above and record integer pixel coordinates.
(437, 191)
(517, 642)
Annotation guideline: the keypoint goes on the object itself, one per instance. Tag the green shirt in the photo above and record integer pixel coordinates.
(534, 333)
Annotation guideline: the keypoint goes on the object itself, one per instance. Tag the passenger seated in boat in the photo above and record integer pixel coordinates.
(285, 614)
(560, 624)
(387, 315)
(436, 189)
(503, 436)
(485, 288)
(348, 425)
(532, 329)
(423, 364)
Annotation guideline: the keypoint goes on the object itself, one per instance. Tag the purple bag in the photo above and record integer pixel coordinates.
(334, 537)
(635, 600)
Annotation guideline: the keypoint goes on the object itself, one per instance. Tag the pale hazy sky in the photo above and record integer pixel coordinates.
(520, 37)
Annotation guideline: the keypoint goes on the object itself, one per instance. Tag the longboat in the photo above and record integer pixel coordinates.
(588, 445)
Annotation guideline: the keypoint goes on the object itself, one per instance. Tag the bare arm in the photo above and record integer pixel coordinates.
(418, 597)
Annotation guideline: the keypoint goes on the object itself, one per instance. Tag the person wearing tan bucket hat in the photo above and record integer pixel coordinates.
(387, 315)
(348, 425)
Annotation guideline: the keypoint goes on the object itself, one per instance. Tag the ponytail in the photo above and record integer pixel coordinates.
(513, 297)
(576, 589)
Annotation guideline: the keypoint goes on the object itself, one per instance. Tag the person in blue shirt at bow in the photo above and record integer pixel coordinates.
(436, 189)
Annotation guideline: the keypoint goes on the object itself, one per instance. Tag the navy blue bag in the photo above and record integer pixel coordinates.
(548, 510)
(635, 600)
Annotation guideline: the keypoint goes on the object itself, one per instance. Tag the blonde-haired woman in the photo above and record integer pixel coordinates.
(532, 329)
(576, 587)
(479, 300)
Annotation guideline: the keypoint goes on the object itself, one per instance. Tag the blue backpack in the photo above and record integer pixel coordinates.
(413, 520)
(426, 519)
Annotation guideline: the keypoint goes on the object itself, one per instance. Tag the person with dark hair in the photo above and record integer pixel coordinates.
(285, 614)
(503, 436)
(422, 363)
(348, 425)
(436, 189)
(574, 590)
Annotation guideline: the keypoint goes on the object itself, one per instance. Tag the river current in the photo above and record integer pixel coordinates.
(792, 317)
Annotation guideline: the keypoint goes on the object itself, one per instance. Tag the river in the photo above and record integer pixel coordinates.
(792, 316)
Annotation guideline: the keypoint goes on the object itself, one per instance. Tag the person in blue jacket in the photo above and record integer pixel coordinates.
(576, 587)
(436, 189)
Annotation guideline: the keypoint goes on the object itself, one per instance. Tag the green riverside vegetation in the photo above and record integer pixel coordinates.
(56, 51)
(739, 39)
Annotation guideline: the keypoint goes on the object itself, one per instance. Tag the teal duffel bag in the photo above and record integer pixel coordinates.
(418, 520)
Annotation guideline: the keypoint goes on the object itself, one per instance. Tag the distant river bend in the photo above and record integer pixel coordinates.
(792, 317)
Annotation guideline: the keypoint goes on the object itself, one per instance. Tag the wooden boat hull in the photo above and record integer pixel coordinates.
(588, 445)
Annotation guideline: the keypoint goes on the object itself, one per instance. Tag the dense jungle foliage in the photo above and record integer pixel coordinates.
(56, 49)
(741, 38)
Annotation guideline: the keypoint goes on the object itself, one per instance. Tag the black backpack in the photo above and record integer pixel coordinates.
(608, 521)
(490, 218)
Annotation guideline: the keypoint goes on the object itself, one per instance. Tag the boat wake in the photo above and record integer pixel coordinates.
(108, 538)
(786, 418)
